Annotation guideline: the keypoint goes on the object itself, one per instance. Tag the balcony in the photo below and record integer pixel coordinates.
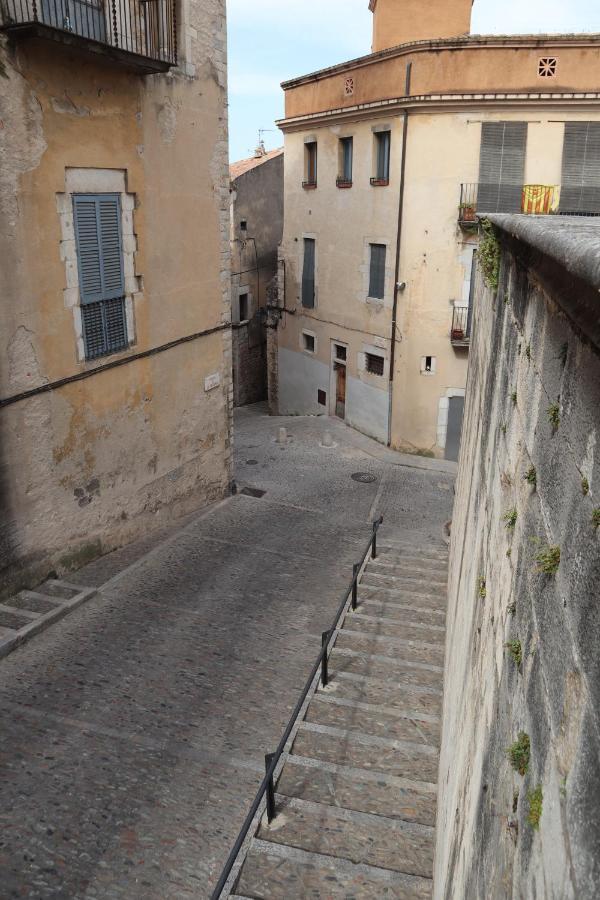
(309, 185)
(140, 34)
(529, 199)
(343, 182)
(379, 182)
(460, 333)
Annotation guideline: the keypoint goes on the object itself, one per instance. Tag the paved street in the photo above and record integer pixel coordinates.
(133, 732)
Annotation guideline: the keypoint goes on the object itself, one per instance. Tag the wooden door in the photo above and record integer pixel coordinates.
(340, 391)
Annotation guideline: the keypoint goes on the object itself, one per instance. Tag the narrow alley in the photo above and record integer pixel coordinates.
(135, 729)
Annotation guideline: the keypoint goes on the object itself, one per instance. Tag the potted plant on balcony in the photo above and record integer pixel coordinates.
(457, 334)
(468, 212)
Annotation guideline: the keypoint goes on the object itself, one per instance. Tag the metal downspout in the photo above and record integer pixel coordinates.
(397, 269)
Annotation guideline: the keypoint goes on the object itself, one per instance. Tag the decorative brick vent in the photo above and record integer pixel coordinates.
(547, 66)
(348, 87)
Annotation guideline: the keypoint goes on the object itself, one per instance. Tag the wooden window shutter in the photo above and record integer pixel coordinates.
(308, 274)
(502, 166)
(377, 271)
(99, 249)
(580, 190)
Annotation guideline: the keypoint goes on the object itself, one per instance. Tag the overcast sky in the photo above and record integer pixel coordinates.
(271, 40)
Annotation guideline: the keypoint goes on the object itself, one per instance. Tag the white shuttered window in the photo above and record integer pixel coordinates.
(502, 166)
(580, 189)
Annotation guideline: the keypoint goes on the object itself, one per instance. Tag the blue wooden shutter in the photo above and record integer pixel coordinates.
(377, 271)
(308, 274)
(99, 249)
(383, 155)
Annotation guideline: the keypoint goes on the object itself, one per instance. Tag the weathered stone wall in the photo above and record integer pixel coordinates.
(533, 409)
(249, 362)
(93, 463)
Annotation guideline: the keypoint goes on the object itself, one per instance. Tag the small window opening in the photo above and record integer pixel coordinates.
(244, 225)
(243, 307)
(310, 165)
(309, 342)
(547, 66)
(340, 352)
(322, 398)
(428, 363)
(374, 363)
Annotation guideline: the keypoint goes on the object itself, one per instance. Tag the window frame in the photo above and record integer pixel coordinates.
(382, 154)
(311, 162)
(373, 274)
(346, 161)
(369, 356)
(306, 280)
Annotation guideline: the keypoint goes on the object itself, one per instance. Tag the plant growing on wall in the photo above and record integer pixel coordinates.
(548, 560)
(482, 590)
(512, 608)
(488, 255)
(585, 487)
(564, 352)
(535, 798)
(528, 352)
(596, 518)
(554, 415)
(503, 428)
(510, 518)
(513, 397)
(530, 476)
(515, 650)
(518, 753)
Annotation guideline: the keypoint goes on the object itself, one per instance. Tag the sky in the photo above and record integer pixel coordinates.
(272, 40)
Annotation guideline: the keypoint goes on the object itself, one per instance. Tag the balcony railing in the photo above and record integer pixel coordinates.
(531, 199)
(460, 333)
(343, 182)
(141, 33)
(309, 185)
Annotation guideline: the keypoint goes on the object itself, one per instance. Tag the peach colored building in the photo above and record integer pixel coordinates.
(389, 160)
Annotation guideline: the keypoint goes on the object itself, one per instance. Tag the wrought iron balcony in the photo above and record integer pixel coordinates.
(309, 185)
(343, 182)
(531, 199)
(460, 333)
(139, 33)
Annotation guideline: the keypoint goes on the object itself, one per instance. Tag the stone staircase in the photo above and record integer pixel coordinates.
(356, 798)
(30, 612)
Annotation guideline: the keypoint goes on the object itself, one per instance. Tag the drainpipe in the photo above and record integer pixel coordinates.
(397, 287)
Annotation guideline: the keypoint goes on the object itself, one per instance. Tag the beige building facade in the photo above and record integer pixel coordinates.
(389, 159)
(115, 385)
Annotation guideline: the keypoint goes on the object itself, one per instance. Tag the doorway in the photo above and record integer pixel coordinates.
(340, 389)
(456, 407)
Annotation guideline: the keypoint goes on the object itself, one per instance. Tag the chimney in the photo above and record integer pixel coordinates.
(403, 21)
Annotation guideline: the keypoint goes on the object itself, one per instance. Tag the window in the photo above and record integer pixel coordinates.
(321, 398)
(244, 225)
(580, 191)
(97, 219)
(428, 365)
(374, 363)
(308, 342)
(340, 352)
(502, 166)
(308, 274)
(382, 158)
(547, 66)
(346, 153)
(243, 307)
(377, 271)
(310, 164)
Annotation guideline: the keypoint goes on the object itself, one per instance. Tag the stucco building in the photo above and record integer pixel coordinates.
(389, 159)
(256, 230)
(115, 388)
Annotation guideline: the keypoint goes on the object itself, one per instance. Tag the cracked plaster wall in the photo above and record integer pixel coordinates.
(91, 465)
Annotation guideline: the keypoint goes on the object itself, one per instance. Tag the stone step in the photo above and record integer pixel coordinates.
(62, 590)
(13, 619)
(363, 751)
(427, 583)
(395, 648)
(402, 612)
(359, 789)
(275, 872)
(409, 567)
(32, 601)
(423, 599)
(399, 548)
(390, 670)
(400, 695)
(384, 721)
(354, 836)
(406, 630)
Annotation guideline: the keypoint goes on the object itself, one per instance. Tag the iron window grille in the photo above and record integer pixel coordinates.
(374, 363)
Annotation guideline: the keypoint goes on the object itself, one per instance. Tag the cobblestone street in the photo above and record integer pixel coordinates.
(134, 730)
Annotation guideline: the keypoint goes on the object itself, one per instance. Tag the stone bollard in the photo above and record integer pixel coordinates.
(327, 439)
(282, 437)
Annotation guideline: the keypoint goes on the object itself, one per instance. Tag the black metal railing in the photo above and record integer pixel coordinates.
(342, 182)
(460, 333)
(144, 28)
(267, 787)
(309, 185)
(477, 199)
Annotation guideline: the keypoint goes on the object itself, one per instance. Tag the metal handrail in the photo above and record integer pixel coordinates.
(272, 759)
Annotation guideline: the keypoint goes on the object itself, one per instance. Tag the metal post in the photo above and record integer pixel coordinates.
(324, 669)
(374, 546)
(355, 571)
(270, 789)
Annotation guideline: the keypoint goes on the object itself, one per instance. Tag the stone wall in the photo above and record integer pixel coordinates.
(249, 362)
(528, 490)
